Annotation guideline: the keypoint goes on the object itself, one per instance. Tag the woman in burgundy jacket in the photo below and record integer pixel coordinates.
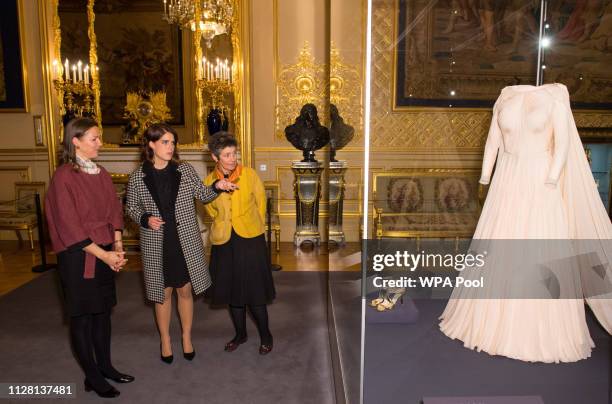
(85, 221)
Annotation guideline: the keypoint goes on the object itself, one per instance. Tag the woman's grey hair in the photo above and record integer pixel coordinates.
(220, 141)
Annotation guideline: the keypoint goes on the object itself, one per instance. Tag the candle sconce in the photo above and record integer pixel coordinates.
(214, 83)
(74, 91)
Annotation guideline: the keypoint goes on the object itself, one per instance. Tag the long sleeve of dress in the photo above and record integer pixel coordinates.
(65, 228)
(561, 140)
(202, 192)
(494, 141)
(133, 207)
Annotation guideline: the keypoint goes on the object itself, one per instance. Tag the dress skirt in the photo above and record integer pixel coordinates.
(240, 271)
(175, 266)
(85, 296)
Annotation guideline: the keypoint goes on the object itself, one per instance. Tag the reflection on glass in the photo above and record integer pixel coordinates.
(73, 23)
(137, 52)
(600, 159)
(462, 53)
(579, 36)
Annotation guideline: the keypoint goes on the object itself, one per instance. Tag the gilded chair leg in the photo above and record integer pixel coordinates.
(277, 237)
(31, 236)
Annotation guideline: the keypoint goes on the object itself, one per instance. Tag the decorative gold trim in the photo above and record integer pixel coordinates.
(24, 60)
(119, 177)
(197, 50)
(304, 81)
(50, 124)
(241, 45)
(277, 149)
(93, 62)
(33, 150)
(346, 90)
(275, 41)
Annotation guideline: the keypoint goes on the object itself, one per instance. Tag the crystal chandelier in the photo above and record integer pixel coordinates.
(215, 16)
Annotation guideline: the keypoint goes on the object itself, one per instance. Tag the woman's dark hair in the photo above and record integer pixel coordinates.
(220, 141)
(153, 134)
(75, 128)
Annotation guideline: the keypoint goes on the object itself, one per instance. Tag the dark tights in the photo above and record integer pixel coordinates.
(260, 315)
(91, 333)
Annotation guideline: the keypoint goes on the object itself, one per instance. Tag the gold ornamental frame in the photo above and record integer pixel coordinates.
(51, 122)
(50, 36)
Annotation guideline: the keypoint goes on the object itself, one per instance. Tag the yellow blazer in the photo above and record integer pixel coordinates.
(243, 209)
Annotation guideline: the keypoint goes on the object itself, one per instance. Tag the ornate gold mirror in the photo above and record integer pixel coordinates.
(74, 70)
(144, 60)
(138, 66)
(139, 58)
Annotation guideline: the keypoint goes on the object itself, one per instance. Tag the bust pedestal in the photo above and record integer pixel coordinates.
(336, 200)
(307, 191)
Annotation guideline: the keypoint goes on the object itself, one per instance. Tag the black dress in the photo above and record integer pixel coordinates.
(174, 265)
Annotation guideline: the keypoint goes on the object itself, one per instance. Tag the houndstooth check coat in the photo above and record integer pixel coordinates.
(143, 202)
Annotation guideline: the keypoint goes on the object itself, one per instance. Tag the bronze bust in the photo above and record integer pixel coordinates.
(307, 134)
(340, 134)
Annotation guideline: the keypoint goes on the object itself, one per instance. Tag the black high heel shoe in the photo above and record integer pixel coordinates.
(165, 359)
(189, 355)
(110, 393)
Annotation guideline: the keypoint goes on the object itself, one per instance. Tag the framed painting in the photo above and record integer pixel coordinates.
(461, 53)
(137, 52)
(13, 83)
(426, 202)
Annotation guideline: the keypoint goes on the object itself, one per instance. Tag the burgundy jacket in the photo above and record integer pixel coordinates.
(82, 208)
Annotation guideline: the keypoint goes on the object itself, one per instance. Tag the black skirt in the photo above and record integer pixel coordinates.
(85, 296)
(240, 272)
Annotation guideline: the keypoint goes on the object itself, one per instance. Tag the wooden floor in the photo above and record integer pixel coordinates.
(16, 261)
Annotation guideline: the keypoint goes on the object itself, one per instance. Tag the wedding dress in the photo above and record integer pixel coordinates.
(542, 189)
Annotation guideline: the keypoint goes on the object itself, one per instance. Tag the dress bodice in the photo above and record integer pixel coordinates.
(525, 119)
(529, 122)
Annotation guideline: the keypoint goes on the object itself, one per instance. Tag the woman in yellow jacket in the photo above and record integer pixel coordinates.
(239, 264)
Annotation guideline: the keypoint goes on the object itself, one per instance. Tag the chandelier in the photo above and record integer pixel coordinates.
(208, 17)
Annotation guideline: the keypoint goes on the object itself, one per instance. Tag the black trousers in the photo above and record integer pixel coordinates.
(260, 315)
(91, 334)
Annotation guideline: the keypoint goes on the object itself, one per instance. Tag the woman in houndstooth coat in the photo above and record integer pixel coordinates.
(161, 198)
